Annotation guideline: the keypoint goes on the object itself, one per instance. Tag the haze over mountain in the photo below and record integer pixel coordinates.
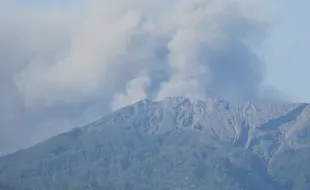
(176, 143)
(66, 63)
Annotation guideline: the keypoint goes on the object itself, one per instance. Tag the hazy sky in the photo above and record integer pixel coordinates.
(287, 49)
(286, 44)
(65, 63)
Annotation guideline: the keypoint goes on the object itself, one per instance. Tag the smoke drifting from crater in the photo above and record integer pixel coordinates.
(64, 67)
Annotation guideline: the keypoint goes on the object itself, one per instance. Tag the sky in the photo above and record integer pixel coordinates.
(66, 63)
(287, 49)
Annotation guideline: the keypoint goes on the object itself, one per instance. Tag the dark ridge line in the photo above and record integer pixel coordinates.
(290, 116)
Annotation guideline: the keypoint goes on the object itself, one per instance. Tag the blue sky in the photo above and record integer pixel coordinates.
(288, 49)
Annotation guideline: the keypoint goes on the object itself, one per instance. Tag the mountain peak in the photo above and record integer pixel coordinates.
(239, 124)
(164, 142)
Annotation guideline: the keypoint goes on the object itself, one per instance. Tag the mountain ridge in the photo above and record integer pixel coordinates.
(190, 135)
(189, 112)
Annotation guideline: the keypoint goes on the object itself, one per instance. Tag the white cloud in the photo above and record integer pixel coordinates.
(57, 63)
(113, 37)
(209, 53)
(135, 91)
(102, 36)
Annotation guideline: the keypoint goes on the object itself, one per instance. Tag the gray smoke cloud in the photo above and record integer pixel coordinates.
(63, 67)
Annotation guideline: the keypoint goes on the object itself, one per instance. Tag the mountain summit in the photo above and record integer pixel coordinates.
(176, 143)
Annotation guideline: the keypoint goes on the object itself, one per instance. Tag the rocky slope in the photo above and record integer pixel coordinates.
(176, 143)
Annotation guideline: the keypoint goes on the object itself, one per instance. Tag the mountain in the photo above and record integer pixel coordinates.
(177, 143)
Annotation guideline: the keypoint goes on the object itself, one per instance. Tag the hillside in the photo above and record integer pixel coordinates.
(176, 143)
